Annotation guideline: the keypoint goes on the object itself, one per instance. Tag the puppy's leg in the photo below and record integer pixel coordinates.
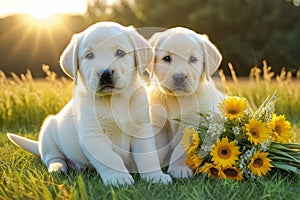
(159, 120)
(177, 167)
(99, 151)
(49, 149)
(163, 148)
(146, 157)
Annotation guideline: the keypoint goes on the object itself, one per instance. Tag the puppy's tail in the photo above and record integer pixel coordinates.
(26, 144)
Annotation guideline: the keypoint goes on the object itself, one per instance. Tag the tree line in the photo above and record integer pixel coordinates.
(246, 31)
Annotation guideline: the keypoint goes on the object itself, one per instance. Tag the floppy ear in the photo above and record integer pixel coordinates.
(155, 38)
(154, 41)
(143, 52)
(212, 56)
(69, 58)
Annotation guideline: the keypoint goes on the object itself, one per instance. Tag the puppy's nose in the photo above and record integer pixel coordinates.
(179, 78)
(106, 76)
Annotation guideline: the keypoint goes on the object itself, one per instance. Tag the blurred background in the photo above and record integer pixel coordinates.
(35, 32)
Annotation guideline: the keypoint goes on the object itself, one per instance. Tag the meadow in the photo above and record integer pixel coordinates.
(25, 102)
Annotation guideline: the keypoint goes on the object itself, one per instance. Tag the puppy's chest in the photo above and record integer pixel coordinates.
(183, 110)
(112, 121)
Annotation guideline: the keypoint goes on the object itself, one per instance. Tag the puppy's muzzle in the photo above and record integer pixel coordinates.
(106, 77)
(179, 79)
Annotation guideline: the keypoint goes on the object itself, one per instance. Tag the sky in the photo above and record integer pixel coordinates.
(42, 8)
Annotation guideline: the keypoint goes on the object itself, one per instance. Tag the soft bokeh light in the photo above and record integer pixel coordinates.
(42, 8)
(43, 20)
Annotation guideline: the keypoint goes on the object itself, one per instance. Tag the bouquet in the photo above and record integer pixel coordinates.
(241, 143)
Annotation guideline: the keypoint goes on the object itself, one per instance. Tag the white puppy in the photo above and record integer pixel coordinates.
(183, 64)
(106, 125)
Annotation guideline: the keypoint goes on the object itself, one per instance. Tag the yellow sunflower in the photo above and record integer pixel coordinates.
(190, 140)
(212, 170)
(257, 131)
(233, 107)
(260, 164)
(281, 128)
(193, 161)
(233, 173)
(224, 153)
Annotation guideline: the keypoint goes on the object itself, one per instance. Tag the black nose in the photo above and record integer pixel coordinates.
(179, 78)
(106, 77)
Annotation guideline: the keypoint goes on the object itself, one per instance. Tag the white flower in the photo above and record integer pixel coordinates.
(264, 145)
(244, 160)
(204, 150)
(215, 129)
(208, 118)
(236, 130)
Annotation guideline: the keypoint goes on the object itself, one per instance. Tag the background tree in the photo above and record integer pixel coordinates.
(246, 31)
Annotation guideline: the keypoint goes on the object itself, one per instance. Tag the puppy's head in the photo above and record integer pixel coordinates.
(182, 59)
(106, 57)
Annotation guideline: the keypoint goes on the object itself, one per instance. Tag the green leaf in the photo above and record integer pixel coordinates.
(284, 160)
(82, 188)
(282, 153)
(283, 147)
(184, 122)
(292, 146)
(286, 167)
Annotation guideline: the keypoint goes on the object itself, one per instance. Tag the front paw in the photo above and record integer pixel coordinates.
(157, 177)
(117, 179)
(180, 172)
(57, 167)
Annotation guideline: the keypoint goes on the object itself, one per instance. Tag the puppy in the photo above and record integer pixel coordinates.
(106, 125)
(183, 64)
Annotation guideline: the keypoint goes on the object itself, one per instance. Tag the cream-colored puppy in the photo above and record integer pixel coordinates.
(183, 64)
(106, 125)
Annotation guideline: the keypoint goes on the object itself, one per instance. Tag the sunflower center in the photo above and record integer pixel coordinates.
(224, 152)
(230, 172)
(278, 129)
(214, 172)
(258, 162)
(254, 133)
(232, 111)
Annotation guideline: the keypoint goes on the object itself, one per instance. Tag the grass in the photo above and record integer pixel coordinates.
(25, 102)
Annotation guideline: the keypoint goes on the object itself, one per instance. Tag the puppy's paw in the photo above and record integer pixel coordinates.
(118, 179)
(57, 167)
(157, 177)
(180, 172)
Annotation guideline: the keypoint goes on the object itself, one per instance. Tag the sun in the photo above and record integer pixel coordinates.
(42, 14)
(44, 21)
(42, 9)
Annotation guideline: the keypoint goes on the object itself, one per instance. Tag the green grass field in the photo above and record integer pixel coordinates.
(25, 102)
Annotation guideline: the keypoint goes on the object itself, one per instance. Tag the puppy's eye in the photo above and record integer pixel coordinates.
(167, 59)
(120, 53)
(192, 59)
(89, 55)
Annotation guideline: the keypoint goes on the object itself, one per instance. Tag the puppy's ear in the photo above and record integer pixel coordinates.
(142, 51)
(155, 39)
(212, 56)
(69, 58)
